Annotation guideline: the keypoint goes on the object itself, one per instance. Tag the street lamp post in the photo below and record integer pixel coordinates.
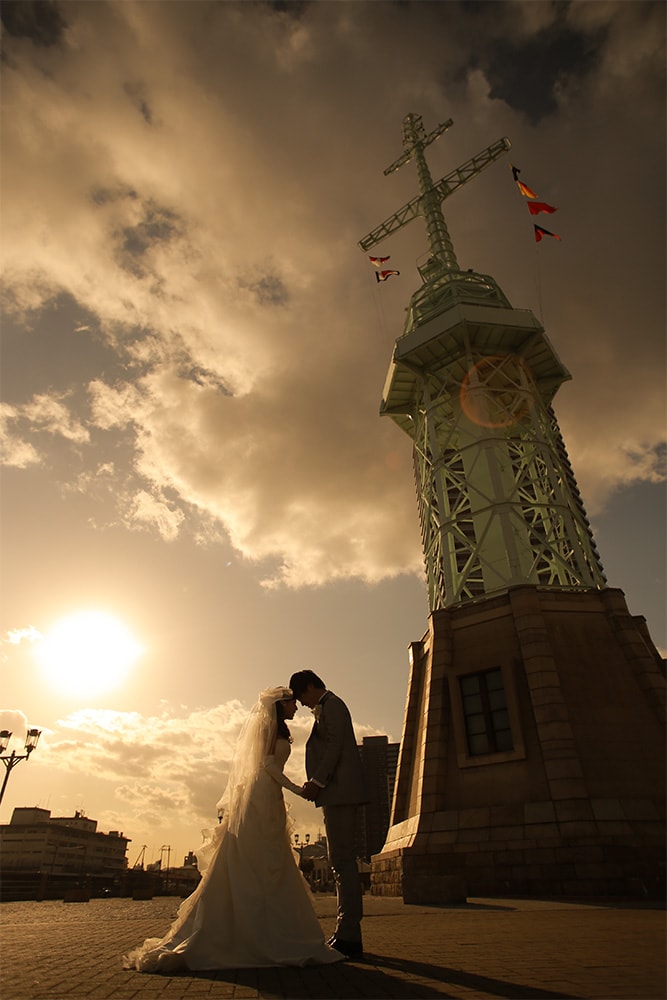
(11, 760)
(167, 848)
(301, 848)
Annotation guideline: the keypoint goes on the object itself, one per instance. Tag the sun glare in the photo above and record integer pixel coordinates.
(87, 653)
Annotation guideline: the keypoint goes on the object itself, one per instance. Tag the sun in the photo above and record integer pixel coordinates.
(87, 653)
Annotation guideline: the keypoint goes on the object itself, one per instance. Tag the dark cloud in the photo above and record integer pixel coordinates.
(103, 195)
(204, 377)
(137, 94)
(527, 64)
(269, 289)
(295, 8)
(527, 76)
(42, 21)
(159, 225)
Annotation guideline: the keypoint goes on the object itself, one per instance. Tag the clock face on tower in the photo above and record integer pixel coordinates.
(497, 391)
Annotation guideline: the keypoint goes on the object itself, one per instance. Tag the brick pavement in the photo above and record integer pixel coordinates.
(483, 950)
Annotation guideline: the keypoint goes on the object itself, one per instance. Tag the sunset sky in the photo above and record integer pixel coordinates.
(198, 493)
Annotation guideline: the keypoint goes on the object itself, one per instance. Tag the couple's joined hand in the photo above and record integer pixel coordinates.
(310, 791)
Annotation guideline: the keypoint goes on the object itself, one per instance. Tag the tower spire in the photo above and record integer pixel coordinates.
(471, 382)
(442, 262)
(415, 141)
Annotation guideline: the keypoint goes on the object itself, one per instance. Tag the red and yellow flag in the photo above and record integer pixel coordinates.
(535, 207)
(523, 188)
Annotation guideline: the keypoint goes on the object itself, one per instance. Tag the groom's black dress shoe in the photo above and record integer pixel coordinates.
(351, 949)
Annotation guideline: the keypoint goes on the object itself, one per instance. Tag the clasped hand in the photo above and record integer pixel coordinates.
(310, 790)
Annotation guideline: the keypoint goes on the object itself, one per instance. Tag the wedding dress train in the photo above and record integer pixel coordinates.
(252, 907)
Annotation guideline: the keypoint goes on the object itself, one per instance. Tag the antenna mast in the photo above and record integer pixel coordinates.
(428, 202)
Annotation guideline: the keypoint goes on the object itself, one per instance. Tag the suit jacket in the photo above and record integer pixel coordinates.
(332, 755)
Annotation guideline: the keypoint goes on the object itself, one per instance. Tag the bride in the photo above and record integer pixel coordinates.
(252, 907)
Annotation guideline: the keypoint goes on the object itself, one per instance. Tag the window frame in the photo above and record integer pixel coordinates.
(463, 755)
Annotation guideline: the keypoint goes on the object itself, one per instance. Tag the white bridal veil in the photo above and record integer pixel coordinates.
(256, 740)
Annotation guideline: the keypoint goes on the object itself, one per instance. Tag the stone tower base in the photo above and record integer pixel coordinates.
(572, 803)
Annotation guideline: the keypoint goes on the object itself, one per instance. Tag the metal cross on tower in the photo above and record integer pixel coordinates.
(471, 381)
(441, 274)
(428, 202)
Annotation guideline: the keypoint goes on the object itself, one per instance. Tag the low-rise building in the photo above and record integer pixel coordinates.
(36, 841)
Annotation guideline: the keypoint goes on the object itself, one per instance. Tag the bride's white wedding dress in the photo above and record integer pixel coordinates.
(252, 907)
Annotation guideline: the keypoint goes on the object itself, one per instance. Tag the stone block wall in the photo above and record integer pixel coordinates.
(577, 808)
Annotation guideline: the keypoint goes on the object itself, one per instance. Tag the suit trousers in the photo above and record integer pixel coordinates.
(339, 822)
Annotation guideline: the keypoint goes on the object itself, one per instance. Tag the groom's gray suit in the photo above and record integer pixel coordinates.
(333, 762)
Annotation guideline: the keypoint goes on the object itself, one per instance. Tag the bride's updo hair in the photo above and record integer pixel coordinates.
(283, 729)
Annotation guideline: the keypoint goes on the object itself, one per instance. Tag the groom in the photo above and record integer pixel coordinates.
(336, 783)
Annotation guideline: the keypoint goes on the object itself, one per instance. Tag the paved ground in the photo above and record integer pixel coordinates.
(486, 949)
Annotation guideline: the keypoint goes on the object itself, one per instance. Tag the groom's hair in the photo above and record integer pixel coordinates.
(301, 679)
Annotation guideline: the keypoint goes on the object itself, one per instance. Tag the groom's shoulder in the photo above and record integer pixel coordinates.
(335, 702)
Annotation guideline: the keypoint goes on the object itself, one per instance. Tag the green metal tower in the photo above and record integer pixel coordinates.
(472, 381)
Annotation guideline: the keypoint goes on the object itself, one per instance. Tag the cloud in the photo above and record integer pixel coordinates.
(153, 510)
(122, 746)
(201, 185)
(17, 452)
(50, 414)
(14, 721)
(43, 414)
(16, 636)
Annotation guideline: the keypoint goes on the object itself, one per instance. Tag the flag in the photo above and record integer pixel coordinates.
(539, 233)
(378, 261)
(383, 275)
(535, 207)
(523, 188)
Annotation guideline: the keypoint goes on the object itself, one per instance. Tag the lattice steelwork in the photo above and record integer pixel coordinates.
(496, 499)
(471, 382)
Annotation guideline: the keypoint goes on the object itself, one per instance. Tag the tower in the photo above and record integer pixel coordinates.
(379, 758)
(532, 757)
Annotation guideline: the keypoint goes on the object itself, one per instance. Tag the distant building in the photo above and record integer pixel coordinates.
(36, 841)
(380, 760)
(314, 863)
